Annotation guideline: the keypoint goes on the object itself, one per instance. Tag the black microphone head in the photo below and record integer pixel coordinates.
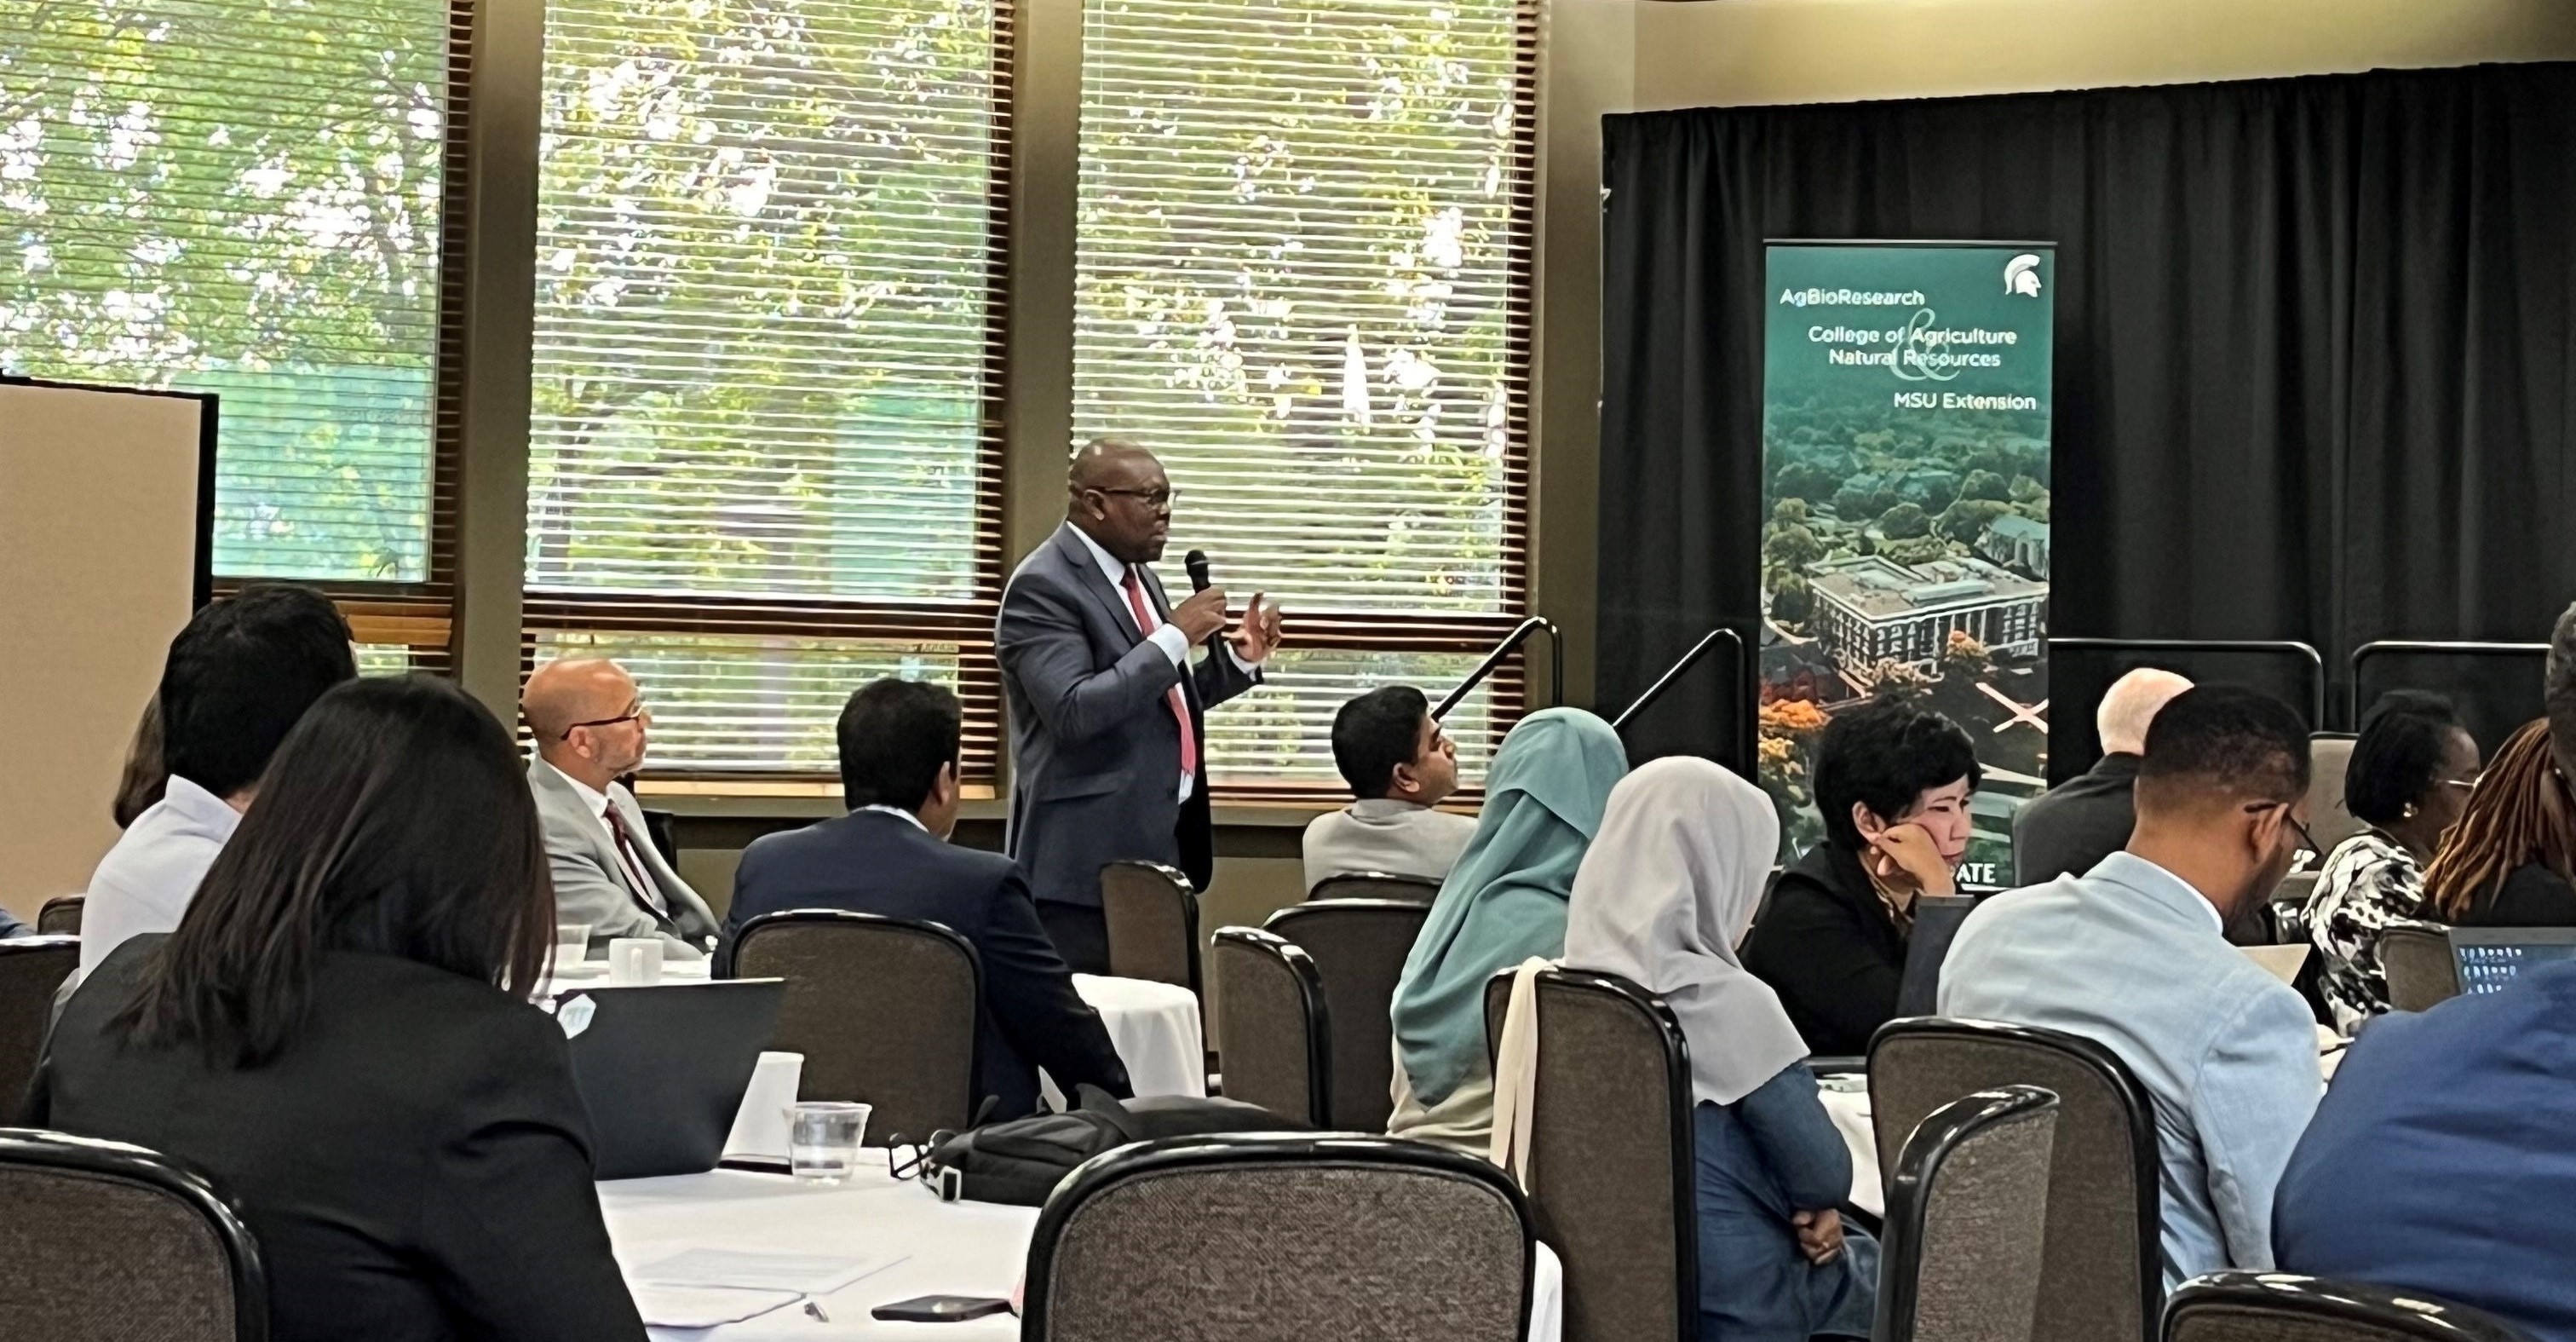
(1196, 562)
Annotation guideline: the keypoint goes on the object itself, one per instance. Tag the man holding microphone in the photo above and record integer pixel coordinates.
(1108, 714)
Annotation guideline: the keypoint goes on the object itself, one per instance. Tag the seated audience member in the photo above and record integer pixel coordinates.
(591, 726)
(890, 855)
(239, 676)
(1399, 766)
(2439, 1161)
(145, 778)
(1666, 890)
(2088, 817)
(2510, 859)
(1893, 782)
(2409, 779)
(1503, 903)
(2132, 955)
(338, 1035)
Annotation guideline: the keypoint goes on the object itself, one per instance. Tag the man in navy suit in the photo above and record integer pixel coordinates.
(890, 855)
(1108, 713)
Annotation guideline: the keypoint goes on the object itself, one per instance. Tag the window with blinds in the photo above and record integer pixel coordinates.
(1302, 278)
(764, 460)
(250, 199)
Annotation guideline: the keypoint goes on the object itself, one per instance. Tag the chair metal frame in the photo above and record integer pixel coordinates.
(37, 1148)
(1177, 1155)
(1677, 1083)
(1310, 993)
(1430, 888)
(2146, 1158)
(1189, 918)
(1909, 1201)
(2337, 1302)
(727, 963)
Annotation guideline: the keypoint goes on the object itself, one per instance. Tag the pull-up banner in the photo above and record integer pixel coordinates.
(1905, 413)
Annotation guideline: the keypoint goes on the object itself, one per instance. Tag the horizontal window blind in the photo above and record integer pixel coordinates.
(247, 199)
(767, 341)
(1271, 742)
(1302, 278)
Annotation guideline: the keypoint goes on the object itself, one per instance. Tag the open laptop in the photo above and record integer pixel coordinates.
(663, 1069)
(2489, 958)
(1936, 922)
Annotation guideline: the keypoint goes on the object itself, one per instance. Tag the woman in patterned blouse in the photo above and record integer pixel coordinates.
(2410, 776)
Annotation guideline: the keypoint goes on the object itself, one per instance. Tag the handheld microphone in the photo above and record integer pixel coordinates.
(1197, 564)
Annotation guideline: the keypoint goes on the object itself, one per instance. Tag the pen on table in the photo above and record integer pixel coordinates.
(814, 1311)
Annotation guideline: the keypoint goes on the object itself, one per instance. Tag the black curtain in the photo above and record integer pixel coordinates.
(2313, 370)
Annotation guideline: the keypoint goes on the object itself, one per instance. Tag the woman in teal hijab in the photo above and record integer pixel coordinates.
(1504, 902)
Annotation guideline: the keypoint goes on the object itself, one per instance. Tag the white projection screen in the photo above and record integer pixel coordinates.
(106, 510)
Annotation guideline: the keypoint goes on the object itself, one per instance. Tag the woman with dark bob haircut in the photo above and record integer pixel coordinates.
(1893, 781)
(338, 1036)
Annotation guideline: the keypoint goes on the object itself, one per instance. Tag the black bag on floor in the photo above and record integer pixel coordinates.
(1021, 1161)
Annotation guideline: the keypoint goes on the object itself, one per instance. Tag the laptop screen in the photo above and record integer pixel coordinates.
(2489, 959)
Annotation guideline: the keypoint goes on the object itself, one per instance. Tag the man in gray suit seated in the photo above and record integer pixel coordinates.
(590, 726)
(1108, 712)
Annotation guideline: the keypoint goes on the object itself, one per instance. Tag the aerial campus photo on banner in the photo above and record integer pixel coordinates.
(1905, 543)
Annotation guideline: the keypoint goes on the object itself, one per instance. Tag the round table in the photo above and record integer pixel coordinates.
(1154, 1027)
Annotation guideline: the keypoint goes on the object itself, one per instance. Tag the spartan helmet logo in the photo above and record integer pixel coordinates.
(2021, 275)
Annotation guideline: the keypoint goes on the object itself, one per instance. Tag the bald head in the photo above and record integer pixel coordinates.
(1117, 494)
(587, 718)
(2130, 705)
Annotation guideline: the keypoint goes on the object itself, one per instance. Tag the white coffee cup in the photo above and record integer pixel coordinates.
(634, 962)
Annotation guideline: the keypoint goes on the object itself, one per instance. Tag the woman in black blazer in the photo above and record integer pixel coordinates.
(338, 1036)
(1893, 782)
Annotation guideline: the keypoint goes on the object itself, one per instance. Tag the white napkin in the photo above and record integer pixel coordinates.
(760, 1125)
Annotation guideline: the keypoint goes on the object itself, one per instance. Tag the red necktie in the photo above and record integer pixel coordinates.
(1145, 624)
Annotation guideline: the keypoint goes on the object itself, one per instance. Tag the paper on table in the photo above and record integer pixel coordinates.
(2282, 962)
(808, 1274)
(703, 1307)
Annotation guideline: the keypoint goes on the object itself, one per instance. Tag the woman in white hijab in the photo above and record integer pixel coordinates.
(1666, 891)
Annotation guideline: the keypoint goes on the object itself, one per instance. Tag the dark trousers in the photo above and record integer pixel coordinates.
(1080, 934)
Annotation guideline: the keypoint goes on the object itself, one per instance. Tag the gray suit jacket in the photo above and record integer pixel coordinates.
(590, 883)
(1095, 752)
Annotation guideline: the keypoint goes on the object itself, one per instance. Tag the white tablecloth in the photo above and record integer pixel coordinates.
(960, 1248)
(1154, 1027)
(1849, 1110)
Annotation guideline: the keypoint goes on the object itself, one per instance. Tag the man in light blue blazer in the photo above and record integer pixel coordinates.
(2133, 954)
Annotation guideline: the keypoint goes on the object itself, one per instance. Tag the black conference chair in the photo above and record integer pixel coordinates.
(1966, 1221)
(1359, 946)
(884, 1010)
(2283, 1307)
(1152, 919)
(104, 1240)
(1276, 1237)
(1611, 1163)
(1376, 885)
(2102, 1268)
(2416, 957)
(60, 917)
(1273, 1037)
(32, 970)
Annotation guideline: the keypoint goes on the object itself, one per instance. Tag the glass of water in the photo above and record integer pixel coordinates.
(823, 1140)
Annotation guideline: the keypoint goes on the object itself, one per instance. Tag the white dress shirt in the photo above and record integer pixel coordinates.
(144, 883)
(914, 820)
(1174, 643)
(598, 802)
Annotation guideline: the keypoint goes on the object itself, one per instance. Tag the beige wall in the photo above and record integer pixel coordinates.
(1738, 52)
